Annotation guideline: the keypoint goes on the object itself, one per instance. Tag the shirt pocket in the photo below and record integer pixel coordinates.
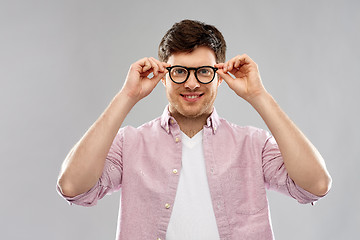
(246, 188)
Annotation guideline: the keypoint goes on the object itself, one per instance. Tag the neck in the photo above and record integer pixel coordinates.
(190, 125)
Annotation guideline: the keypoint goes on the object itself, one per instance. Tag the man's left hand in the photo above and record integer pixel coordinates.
(247, 82)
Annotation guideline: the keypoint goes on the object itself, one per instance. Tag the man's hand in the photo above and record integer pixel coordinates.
(84, 164)
(247, 82)
(138, 84)
(303, 162)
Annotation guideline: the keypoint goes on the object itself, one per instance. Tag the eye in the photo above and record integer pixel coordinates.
(205, 71)
(179, 72)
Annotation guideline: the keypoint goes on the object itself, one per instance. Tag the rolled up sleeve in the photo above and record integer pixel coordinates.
(276, 175)
(110, 179)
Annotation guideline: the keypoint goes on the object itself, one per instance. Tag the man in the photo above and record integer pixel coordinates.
(190, 174)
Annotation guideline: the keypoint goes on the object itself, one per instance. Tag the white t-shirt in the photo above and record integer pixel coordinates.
(192, 216)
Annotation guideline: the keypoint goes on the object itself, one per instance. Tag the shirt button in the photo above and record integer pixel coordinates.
(167, 128)
(177, 139)
(172, 121)
(175, 171)
(167, 206)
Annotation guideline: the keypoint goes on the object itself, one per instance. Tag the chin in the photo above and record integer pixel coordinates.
(194, 112)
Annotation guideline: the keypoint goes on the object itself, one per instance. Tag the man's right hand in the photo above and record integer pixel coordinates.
(84, 164)
(138, 84)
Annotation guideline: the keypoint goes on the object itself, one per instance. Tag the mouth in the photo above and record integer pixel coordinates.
(192, 97)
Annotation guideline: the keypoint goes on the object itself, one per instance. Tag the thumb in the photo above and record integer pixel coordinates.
(155, 79)
(226, 76)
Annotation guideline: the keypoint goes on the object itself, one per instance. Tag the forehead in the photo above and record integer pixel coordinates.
(201, 56)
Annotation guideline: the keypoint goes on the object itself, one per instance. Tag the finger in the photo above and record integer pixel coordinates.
(225, 67)
(245, 62)
(228, 79)
(154, 66)
(159, 67)
(230, 64)
(159, 64)
(146, 74)
(219, 65)
(237, 63)
(156, 79)
(165, 64)
(145, 64)
(245, 59)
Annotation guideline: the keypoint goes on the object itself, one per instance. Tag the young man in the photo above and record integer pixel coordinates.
(190, 174)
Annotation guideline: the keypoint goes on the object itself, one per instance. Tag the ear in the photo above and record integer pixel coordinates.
(163, 80)
(220, 79)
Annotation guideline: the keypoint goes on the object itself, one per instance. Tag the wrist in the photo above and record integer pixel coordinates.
(125, 98)
(262, 102)
(259, 98)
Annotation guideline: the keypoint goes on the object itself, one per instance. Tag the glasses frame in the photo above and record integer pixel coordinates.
(195, 73)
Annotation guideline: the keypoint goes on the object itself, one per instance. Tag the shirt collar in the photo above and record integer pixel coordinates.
(167, 120)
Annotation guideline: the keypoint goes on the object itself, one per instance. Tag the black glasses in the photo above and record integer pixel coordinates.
(180, 74)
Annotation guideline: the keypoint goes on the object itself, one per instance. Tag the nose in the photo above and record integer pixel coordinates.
(192, 83)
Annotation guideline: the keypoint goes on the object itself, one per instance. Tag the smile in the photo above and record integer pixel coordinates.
(191, 97)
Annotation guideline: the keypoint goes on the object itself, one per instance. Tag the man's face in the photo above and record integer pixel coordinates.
(192, 99)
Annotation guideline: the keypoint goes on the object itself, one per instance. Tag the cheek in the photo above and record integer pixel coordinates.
(171, 87)
(171, 92)
(213, 89)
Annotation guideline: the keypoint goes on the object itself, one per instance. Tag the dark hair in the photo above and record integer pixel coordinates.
(187, 35)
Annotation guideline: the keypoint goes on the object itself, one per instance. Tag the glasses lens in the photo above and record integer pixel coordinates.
(205, 74)
(178, 74)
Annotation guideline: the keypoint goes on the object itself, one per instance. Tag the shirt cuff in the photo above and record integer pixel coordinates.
(85, 199)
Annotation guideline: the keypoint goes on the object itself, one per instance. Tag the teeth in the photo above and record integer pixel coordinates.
(191, 96)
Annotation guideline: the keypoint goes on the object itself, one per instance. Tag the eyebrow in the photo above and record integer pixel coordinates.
(178, 65)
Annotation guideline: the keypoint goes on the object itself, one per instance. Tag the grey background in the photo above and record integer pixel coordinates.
(61, 63)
